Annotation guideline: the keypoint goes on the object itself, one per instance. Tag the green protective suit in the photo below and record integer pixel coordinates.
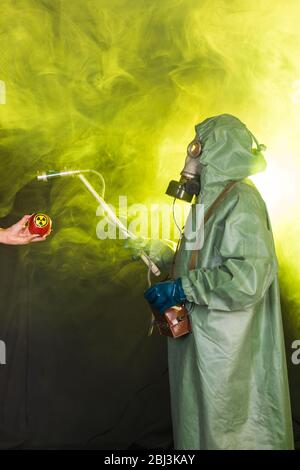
(228, 379)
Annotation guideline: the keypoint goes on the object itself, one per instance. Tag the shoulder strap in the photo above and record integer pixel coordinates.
(209, 212)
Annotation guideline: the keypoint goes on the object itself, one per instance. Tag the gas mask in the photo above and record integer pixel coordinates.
(189, 184)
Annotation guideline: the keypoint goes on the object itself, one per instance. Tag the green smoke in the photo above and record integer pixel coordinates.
(118, 85)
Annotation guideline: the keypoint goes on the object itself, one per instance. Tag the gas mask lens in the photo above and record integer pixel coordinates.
(189, 184)
(194, 149)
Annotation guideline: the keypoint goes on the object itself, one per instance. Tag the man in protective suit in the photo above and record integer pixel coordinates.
(228, 379)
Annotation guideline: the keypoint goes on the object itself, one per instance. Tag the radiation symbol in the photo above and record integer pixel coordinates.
(40, 220)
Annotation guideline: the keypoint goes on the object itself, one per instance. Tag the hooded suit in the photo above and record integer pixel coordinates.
(228, 379)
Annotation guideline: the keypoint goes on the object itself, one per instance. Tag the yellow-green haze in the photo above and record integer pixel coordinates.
(117, 86)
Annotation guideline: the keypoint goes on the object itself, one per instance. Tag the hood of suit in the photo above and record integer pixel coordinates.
(227, 151)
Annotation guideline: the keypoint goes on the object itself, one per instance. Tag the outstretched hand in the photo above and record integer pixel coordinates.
(18, 234)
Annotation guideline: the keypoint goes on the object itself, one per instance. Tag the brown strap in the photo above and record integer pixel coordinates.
(209, 212)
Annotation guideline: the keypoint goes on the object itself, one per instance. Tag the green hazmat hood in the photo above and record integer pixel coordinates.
(227, 150)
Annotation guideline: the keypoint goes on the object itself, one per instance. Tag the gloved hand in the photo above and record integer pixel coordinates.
(164, 295)
(160, 251)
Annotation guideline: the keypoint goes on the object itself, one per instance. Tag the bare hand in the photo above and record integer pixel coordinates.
(18, 234)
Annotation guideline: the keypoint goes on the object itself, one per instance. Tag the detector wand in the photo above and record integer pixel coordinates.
(144, 256)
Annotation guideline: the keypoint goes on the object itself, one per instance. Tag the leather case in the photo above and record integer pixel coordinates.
(174, 322)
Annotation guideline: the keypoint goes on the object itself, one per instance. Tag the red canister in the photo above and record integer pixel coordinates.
(39, 224)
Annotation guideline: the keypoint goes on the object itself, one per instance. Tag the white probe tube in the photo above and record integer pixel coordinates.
(147, 260)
